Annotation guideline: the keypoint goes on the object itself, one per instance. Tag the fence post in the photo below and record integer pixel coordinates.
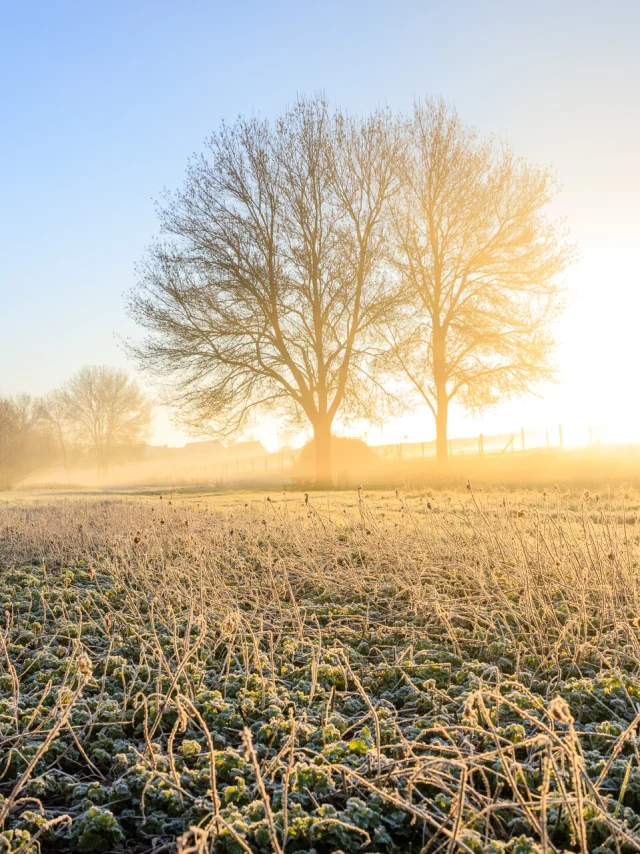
(513, 443)
(547, 438)
(481, 444)
(560, 435)
(422, 443)
(522, 437)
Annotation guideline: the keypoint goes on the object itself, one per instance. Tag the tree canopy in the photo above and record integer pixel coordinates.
(104, 410)
(25, 444)
(270, 284)
(479, 261)
(310, 262)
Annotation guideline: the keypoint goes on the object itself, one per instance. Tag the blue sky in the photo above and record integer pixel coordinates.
(102, 104)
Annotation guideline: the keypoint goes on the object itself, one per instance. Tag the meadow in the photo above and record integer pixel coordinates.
(391, 671)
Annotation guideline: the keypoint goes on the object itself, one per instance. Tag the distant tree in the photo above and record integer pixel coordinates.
(107, 412)
(479, 262)
(63, 430)
(268, 289)
(25, 444)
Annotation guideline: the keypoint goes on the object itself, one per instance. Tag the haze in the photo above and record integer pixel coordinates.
(103, 105)
(319, 433)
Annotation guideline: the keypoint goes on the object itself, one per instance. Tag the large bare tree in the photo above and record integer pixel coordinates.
(479, 262)
(105, 411)
(269, 284)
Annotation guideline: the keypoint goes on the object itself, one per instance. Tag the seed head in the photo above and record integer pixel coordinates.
(469, 714)
(183, 719)
(229, 624)
(559, 710)
(85, 665)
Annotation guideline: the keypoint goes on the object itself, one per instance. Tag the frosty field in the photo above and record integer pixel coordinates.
(370, 672)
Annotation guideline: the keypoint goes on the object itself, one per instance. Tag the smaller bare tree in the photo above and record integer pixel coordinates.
(24, 441)
(63, 430)
(106, 411)
(479, 262)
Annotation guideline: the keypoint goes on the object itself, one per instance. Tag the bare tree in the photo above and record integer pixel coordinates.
(24, 442)
(63, 430)
(479, 262)
(107, 412)
(270, 284)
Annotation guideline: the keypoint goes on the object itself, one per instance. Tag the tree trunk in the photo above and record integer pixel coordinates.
(322, 442)
(442, 444)
(442, 397)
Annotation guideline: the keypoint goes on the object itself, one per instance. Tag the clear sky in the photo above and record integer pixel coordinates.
(102, 104)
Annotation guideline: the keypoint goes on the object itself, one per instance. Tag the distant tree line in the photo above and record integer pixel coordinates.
(325, 265)
(98, 418)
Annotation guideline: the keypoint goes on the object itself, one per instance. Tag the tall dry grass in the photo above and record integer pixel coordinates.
(536, 607)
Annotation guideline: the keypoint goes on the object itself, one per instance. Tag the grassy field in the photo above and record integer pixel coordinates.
(373, 672)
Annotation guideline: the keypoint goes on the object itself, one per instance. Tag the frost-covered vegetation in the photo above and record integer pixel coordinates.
(437, 674)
